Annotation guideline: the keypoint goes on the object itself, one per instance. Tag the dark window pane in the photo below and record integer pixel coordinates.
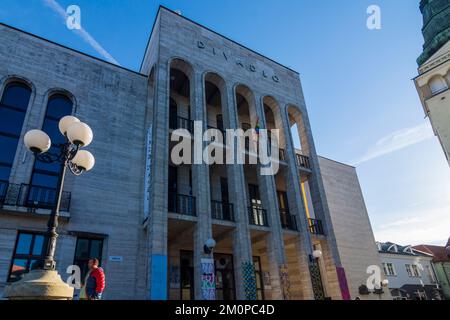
(4, 172)
(36, 264)
(96, 249)
(19, 267)
(16, 95)
(51, 128)
(82, 249)
(59, 106)
(38, 245)
(11, 121)
(44, 180)
(7, 149)
(24, 243)
(51, 167)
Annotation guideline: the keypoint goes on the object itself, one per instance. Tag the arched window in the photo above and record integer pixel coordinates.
(13, 107)
(46, 175)
(437, 84)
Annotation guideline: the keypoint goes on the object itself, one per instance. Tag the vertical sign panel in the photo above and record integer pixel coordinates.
(343, 283)
(208, 279)
(148, 173)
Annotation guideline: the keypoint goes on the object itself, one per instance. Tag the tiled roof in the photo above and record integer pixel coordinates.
(439, 253)
(389, 247)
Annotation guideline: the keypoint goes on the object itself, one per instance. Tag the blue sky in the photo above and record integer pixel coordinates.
(362, 103)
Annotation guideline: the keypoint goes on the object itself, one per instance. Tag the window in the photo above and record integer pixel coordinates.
(28, 254)
(86, 249)
(259, 278)
(45, 175)
(389, 269)
(415, 270)
(412, 270)
(409, 270)
(13, 107)
(437, 84)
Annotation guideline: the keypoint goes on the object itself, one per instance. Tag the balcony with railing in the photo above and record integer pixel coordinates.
(222, 211)
(177, 122)
(32, 197)
(303, 161)
(257, 216)
(315, 226)
(288, 221)
(182, 204)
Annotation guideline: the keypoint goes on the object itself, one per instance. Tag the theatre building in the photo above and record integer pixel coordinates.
(302, 233)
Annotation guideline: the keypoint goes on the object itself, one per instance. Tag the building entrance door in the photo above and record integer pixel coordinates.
(225, 289)
(187, 275)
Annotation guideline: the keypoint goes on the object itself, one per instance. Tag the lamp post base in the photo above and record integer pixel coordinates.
(39, 285)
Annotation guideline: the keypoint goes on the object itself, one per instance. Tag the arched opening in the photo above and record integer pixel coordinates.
(437, 84)
(215, 97)
(272, 115)
(181, 199)
(44, 179)
(13, 108)
(300, 143)
(180, 95)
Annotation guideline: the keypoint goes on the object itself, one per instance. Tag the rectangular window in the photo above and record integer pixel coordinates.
(28, 254)
(409, 270)
(87, 248)
(389, 269)
(415, 270)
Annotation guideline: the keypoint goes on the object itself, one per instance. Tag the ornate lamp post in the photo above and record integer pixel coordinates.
(46, 283)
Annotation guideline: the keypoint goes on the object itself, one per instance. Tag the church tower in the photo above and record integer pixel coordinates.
(433, 80)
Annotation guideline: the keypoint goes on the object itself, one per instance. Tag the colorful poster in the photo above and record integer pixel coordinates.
(248, 272)
(208, 279)
(343, 283)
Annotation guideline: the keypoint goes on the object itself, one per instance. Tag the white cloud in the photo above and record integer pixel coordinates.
(396, 141)
(427, 224)
(55, 6)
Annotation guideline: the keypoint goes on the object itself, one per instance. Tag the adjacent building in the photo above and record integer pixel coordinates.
(441, 263)
(433, 80)
(303, 233)
(410, 272)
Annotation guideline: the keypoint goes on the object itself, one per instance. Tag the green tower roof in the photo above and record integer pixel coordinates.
(436, 26)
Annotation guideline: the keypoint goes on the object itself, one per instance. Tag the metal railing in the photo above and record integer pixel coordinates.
(288, 221)
(36, 197)
(315, 226)
(182, 204)
(303, 161)
(257, 216)
(222, 211)
(177, 122)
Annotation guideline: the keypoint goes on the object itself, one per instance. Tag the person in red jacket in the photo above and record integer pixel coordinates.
(94, 283)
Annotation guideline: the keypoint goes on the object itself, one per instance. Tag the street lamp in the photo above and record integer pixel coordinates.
(46, 283)
(69, 155)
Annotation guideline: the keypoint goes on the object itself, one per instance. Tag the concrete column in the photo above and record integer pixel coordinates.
(242, 246)
(157, 224)
(275, 240)
(200, 184)
(318, 196)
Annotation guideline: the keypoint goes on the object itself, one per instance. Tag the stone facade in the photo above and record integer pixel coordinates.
(153, 216)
